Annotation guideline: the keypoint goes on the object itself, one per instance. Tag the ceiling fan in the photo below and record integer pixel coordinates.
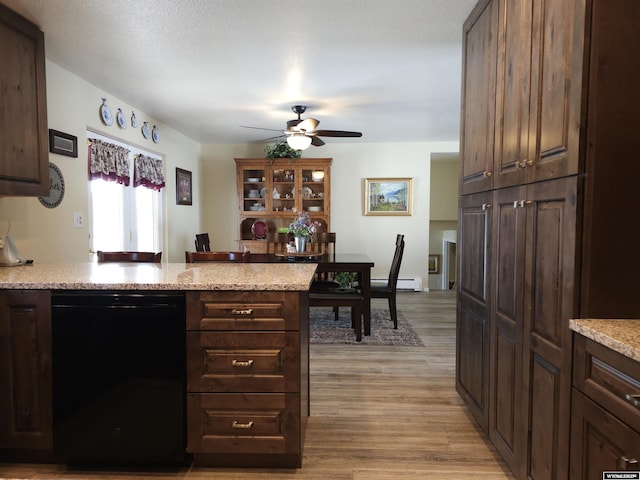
(302, 133)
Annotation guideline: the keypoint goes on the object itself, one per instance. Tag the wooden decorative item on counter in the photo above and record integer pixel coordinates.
(269, 191)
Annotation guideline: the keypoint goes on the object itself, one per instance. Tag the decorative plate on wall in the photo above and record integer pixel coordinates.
(105, 113)
(155, 134)
(145, 130)
(56, 184)
(134, 120)
(122, 123)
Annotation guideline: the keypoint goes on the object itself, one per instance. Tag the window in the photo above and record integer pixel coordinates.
(123, 217)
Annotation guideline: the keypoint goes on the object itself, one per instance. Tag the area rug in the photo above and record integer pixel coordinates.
(325, 330)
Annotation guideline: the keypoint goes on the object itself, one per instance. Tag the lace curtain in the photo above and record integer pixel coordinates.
(147, 172)
(111, 163)
(108, 162)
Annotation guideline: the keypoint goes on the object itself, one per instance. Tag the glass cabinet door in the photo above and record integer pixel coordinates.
(284, 189)
(254, 188)
(313, 190)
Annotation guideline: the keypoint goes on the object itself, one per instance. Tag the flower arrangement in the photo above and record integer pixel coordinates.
(303, 226)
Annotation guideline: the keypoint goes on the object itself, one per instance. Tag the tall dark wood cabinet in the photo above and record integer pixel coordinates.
(549, 149)
(24, 156)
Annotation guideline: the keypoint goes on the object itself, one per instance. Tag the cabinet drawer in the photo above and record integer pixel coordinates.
(243, 311)
(243, 362)
(243, 423)
(609, 378)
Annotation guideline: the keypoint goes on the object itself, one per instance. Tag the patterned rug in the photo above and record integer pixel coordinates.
(325, 330)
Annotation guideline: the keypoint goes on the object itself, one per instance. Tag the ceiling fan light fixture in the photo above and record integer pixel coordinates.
(299, 141)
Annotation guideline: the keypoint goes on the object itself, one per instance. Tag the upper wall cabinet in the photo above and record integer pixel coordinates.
(24, 158)
(522, 92)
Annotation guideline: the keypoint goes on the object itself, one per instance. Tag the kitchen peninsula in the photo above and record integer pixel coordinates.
(245, 341)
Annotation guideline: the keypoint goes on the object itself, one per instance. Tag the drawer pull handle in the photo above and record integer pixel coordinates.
(243, 426)
(633, 400)
(242, 363)
(242, 311)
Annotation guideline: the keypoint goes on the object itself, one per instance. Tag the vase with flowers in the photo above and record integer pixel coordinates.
(302, 228)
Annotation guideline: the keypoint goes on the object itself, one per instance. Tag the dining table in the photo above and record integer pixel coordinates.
(358, 263)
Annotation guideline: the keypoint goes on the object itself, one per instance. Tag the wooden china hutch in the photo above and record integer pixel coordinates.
(272, 191)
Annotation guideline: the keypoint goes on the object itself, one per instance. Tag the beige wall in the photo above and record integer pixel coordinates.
(352, 162)
(47, 235)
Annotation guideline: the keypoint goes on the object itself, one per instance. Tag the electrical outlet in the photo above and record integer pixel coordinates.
(78, 220)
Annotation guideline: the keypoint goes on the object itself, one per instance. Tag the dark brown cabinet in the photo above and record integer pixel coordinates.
(553, 163)
(605, 425)
(473, 327)
(247, 378)
(24, 157)
(26, 422)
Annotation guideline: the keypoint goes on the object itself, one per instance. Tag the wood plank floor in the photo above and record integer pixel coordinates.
(377, 413)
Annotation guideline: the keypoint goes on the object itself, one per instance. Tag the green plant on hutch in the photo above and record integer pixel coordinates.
(281, 150)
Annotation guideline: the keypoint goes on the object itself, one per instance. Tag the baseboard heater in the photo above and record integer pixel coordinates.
(414, 284)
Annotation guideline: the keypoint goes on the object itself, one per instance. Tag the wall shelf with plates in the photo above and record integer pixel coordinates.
(270, 191)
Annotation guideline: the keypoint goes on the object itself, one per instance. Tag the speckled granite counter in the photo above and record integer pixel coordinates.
(152, 276)
(622, 336)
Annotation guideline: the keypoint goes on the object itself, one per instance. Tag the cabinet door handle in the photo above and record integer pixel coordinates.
(242, 363)
(487, 174)
(242, 311)
(629, 462)
(633, 400)
(243, 426)
(486, 206)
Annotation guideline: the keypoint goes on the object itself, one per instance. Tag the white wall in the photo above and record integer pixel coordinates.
(352, 162)
(47, 235)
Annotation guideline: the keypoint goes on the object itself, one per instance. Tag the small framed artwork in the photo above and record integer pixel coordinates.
(63, 143)
(434, 263)
(388, 196)
(183, 187)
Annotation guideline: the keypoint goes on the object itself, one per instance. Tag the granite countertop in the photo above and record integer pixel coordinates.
(622, 335)
(159, 276)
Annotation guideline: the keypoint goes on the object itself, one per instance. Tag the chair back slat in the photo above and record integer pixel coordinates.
(195, 257)
(202, 242)
(277, 242)
(129, 256)
(394, 271)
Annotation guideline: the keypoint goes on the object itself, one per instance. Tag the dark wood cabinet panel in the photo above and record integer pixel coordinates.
(478, 94)
(472, 352)
(24, 165)
(26, 421)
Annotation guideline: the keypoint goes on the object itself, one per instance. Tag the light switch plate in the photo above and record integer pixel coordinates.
(78, 220)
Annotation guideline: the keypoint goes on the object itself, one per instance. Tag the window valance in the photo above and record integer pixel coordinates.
(108, 162)
(147, 171)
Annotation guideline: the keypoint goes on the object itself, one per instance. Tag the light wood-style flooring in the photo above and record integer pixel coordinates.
(377, 413)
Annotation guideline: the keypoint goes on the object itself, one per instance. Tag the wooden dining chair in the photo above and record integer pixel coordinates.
(388, 291)
(277, 242)
(129, 256)
(202, 242)
(342, 298)
(195, 257)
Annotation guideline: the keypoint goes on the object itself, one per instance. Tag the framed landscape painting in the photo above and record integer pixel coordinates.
(183, 187)
(388, 196)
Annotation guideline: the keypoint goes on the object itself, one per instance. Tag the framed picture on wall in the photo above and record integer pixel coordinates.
(388, 196)
(433, 265)
(183, 187)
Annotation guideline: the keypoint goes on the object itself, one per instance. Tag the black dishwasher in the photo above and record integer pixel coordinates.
(119, 377)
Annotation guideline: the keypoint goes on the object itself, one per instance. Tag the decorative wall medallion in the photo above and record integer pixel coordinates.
(122, 123)
(134, 120)
(155, 134)
(56, 187)
(105, 113)
(145, 130)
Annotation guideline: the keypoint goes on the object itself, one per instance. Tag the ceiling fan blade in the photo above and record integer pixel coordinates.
(337, 133)
(268, 139)
(317, 141)
(260, 128)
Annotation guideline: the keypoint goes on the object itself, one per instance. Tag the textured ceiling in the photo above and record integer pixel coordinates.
(388, 68)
